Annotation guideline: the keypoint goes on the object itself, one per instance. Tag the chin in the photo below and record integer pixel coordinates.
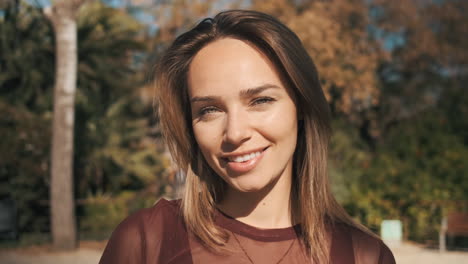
(249, 189)
(249, 185)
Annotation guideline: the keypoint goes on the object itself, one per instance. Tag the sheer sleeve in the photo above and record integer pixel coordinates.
(127, 243)
(369, 249)
(152, 235)
(386, 256)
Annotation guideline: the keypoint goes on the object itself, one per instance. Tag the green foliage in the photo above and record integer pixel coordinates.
(416, 175)
(24, 163)
(349, 155)
(108, 39)
(114, 150)
(101, 213)
(26, 57)
(26, 79)
(415, 141)
(114, 145)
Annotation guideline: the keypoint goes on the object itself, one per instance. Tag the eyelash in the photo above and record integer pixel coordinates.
(258, 101)
(207, 110)
(262, 100)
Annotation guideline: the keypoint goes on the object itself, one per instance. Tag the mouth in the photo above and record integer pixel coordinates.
(244, 158)
(244, 162)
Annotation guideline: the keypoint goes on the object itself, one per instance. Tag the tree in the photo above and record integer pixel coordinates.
(26, 57)
(114, 148)
(415, 172)
(62, 14)
(26, 81)
(335, 34)
(111, 120)
(427, 61)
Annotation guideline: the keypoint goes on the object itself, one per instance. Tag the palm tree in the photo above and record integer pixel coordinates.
(62, 14)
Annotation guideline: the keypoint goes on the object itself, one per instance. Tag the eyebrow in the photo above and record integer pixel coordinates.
(256, 90)
(244, 93)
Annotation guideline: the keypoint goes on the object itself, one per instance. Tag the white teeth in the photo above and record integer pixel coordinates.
(245, 157)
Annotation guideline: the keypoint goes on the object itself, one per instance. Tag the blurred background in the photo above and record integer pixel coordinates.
(394, 73)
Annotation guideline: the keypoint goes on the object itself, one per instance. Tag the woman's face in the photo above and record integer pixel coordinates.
(243, 118)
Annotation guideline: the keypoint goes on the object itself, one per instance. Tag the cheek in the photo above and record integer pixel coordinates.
(206, 139)
(282, 123)
(208, 143)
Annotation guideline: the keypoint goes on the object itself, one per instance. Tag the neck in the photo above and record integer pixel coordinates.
(266, 208)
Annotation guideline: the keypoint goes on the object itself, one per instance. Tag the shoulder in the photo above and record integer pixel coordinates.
(163, 209)
(141, 236)
(366, 247)
(161, 212)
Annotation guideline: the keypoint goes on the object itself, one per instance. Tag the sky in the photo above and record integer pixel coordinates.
(141, 10)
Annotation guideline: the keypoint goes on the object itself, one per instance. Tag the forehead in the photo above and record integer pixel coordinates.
(229, 65)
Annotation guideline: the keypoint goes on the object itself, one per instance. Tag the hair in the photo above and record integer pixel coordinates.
(312, 203)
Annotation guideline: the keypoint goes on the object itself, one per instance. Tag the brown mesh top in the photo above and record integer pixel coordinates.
(158, 235)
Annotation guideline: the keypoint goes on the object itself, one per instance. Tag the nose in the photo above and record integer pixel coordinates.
(237, 128)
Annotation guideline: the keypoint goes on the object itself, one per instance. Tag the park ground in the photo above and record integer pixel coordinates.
(89, 252)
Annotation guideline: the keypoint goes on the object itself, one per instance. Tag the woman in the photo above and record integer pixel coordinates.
(245, 117)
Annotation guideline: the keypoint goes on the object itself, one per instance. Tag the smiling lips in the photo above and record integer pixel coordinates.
(245, 157)
(244, 163)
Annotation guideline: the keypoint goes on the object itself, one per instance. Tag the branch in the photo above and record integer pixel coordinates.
(68, 8)
(48, 12)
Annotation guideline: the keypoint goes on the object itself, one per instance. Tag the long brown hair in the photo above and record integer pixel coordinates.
(314, 207)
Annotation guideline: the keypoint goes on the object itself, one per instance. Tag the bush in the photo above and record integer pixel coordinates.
(417, 175)
(100, 214)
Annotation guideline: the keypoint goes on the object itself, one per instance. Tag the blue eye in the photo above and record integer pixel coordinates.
(262, 100)
(207, 110)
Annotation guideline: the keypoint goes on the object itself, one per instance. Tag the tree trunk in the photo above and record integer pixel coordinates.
(63, 225)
